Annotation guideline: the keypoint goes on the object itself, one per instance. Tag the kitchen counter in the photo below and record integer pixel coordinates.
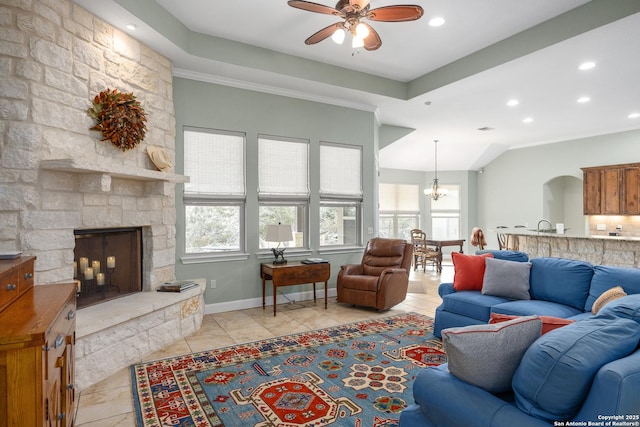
(621, 251)
(568, 234)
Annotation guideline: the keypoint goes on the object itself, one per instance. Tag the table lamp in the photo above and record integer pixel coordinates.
(279, 233)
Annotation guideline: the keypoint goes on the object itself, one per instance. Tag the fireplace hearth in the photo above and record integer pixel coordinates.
(107, 264)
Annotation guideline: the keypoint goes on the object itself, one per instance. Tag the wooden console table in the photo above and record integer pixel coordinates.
(294, 273)
(438, 244)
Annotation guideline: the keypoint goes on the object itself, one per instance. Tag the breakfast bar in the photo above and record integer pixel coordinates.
(621, 251)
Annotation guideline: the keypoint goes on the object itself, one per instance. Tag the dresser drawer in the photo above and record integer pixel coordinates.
(25, 276)
(16, 278)
(9, 288)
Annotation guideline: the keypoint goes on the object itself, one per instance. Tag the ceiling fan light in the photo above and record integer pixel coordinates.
(338, 36)
(357, 42)
(362, 31)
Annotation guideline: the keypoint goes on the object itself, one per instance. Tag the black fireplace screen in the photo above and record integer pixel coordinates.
(107, 264)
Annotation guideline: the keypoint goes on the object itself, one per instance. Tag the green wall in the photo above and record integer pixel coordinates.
(208, 105)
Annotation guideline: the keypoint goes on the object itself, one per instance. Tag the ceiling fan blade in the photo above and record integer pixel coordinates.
(313, 7)
(399, 13)
(372, 41)
(324, 33)
(359, 4)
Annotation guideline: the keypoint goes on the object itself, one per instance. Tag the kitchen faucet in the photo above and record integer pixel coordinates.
(544, 220)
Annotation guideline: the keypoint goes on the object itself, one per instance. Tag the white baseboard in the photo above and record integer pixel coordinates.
(257, 302)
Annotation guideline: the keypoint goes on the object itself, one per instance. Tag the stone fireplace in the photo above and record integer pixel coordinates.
(57, 176)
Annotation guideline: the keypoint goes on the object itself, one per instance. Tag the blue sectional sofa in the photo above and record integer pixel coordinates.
(583, 372)
(559, 287)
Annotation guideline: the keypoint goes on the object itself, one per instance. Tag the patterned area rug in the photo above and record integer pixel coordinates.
(359, 374)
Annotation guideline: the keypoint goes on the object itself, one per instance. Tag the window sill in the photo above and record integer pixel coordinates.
(204, 258)
(340, 250)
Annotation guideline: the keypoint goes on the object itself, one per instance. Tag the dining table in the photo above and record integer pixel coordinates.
(438, 244)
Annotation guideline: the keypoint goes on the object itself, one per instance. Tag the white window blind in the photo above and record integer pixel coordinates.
(214, 161)
(283, 167)
(399, 197)
(340, 170)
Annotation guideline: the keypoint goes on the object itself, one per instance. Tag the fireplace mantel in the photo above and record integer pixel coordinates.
(118, 171)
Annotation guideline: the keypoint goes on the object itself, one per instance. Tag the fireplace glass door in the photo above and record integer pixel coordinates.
(107, 264)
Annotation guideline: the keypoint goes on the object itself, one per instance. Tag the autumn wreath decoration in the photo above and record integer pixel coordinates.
(120, 118)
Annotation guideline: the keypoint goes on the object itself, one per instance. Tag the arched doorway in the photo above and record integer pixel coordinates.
(562, 203)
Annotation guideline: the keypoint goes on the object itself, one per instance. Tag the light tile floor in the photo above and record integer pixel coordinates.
(109, 403)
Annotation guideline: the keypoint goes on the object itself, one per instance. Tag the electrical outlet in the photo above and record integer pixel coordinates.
(370, 230)
(213, 284)
(601, 227)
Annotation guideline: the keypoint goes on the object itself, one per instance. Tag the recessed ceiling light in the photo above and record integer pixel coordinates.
(634, 115)
(437, 21)
(527, 120)
(587, 65)
(583, 99)
(513, 102)
(132, 27)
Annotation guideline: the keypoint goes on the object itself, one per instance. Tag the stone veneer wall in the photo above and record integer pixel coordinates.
(619, 252)
(56, 175)
(54, 58)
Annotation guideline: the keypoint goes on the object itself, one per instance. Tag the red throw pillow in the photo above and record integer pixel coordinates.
(468, 271)
(549, 323)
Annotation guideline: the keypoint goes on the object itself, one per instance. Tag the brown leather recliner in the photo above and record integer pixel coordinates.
(382, 279)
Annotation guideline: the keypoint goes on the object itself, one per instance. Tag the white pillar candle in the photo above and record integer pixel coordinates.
(78, 286)
(75, 269)
(96, 266)
(111, 262)
(88, 273)
(100, 279)
(84, 263)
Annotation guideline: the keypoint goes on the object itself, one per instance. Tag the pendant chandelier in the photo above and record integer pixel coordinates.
(435, 192)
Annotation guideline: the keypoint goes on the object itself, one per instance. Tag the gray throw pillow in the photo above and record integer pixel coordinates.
(488, 355)
(507, 279)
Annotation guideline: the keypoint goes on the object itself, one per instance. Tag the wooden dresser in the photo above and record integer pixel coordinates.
(37, 338)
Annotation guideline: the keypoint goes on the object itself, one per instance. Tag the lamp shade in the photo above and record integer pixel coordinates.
(279, 233)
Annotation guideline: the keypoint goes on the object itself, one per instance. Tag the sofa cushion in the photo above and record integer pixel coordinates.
(508, 279)
(606, 277)
(556, 372)
(471, 304)
(627, 307)
(506, 255)
(535, 307)
(560, 280)
(488, 355)
(606, 297)
(468, 271)
(549, 323)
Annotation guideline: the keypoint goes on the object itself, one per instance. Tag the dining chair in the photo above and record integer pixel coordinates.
(421, 252)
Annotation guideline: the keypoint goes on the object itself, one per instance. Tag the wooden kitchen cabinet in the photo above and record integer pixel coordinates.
(592, 192)
(631, 190)
(37, 338)
(612, 190)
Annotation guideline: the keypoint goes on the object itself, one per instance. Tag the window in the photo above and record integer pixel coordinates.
(399, 210)
(445, 214)
(340, 195)
(283, 187)
(214, 199)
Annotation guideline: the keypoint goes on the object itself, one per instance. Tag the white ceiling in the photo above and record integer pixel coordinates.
(547, 81)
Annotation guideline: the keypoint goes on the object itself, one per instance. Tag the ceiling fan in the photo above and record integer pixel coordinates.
(353, 12)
